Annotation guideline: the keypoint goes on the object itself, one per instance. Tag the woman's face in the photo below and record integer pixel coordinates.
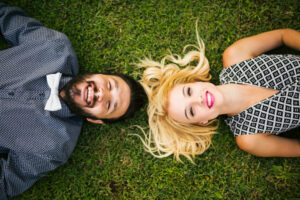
(194, 103)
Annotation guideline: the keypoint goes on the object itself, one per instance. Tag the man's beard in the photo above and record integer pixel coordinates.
(71, 91)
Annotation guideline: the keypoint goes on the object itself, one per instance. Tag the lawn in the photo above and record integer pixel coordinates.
(109, 163)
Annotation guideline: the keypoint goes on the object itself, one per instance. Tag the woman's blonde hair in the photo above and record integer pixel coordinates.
(166, 136)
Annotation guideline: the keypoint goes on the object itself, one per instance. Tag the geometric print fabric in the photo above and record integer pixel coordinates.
(276, 114)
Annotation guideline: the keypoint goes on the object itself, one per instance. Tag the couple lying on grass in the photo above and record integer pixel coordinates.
(39, 81)
(259, 94)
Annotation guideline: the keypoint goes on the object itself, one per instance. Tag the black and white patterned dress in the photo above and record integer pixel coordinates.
(276, 114)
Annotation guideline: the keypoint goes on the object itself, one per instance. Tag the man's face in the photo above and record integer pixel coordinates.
(97, 96)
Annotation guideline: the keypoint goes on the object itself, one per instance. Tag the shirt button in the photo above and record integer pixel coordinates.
(11, 93)
(42, 94)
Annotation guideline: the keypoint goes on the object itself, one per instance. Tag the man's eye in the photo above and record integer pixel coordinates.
(109, 85)
(108, 105)
(192, 112)
(189, 92)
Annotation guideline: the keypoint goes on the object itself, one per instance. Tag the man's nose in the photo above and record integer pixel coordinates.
(100, 94)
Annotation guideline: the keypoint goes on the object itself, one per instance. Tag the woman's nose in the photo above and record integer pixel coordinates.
(198, 99)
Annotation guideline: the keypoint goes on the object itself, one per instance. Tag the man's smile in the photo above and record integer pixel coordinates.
(89, 94)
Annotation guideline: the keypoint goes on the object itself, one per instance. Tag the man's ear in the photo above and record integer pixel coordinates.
(95, 121)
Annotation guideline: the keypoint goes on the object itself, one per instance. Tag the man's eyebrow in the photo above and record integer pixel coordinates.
(117, 87)
(116, 83)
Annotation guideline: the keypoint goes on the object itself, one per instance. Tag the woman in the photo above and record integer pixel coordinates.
(260, 94)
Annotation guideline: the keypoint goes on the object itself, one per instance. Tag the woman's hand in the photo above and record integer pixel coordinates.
(253, 46)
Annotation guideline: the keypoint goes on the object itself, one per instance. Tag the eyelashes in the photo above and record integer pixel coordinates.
(109, 85)
(189, 92)
(192, 112)
(108, 105)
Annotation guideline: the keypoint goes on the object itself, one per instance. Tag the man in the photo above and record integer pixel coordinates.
(38, 96)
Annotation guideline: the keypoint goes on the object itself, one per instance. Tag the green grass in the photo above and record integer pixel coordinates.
(107, 162)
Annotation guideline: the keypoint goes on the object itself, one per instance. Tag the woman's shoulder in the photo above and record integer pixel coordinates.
(233, 56)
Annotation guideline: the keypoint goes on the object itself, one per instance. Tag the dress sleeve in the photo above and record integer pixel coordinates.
(16, 27)
(20, 171)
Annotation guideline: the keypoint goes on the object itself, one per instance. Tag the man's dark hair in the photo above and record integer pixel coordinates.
(138, 97)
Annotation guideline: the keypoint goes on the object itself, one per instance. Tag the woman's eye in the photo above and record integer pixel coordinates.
(192, 112)
(109, 85)
(108, 105)
(189, 91)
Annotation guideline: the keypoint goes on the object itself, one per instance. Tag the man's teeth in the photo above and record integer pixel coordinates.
(208, 100)
(89, 95)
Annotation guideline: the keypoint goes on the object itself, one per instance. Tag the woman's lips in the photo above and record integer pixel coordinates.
(210, 99)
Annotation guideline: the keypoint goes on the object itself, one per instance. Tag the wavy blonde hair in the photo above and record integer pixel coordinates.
(166, 136)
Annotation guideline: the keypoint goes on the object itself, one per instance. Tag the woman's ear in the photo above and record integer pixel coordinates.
(95, 121)
(203, 123)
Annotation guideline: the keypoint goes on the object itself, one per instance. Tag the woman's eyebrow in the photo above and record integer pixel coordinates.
(183, 93)
(185, 113)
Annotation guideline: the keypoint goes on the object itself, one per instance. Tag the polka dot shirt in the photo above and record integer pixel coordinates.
(32, 141)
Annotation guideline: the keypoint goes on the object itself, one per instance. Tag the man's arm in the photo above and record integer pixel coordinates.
(16, 27)
(253, 46)
(20, 171)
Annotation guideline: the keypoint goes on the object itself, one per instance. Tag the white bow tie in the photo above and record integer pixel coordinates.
(53, 103)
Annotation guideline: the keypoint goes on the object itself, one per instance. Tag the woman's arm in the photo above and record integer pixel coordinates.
(253, 46)
(266, 145)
